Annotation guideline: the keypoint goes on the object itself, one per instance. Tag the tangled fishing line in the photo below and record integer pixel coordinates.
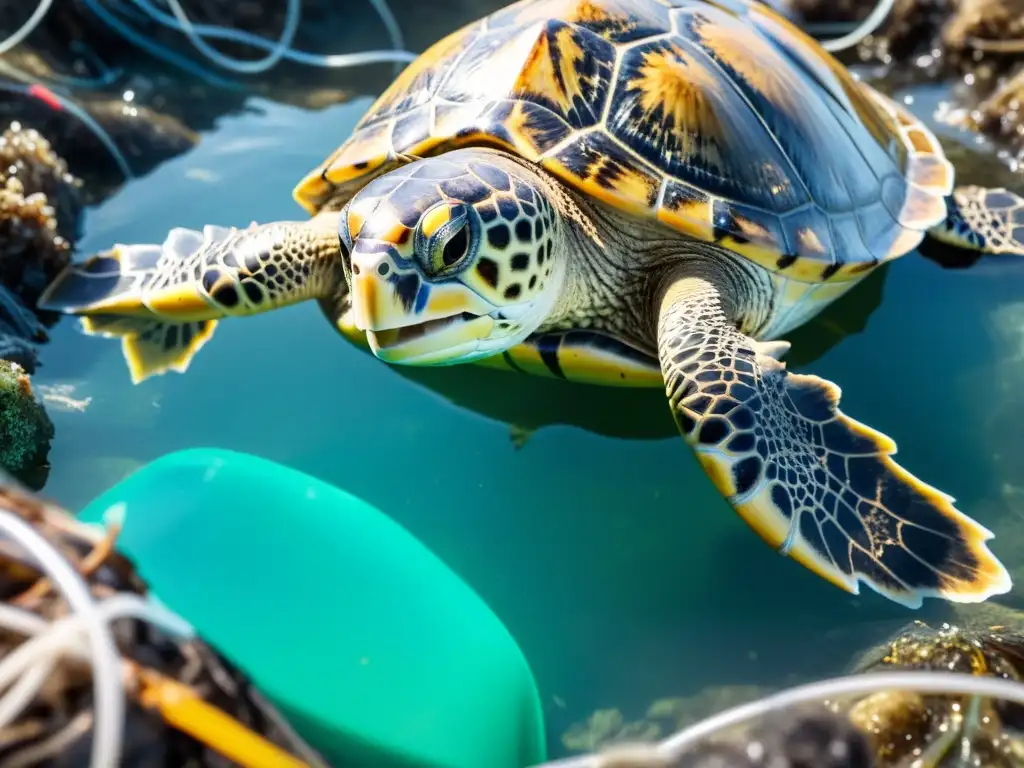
(672, 749)
(118, 17)
(66, 615)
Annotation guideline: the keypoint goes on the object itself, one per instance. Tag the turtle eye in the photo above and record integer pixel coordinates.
(448, 246)
(455, 250)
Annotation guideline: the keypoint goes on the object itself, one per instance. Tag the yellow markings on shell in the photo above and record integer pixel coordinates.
(590, 365)
(755, 60)
(434, 219)
(931, 172)
(361, 154)
(764, 253)
(572, 11)
(543, 73)
(630, 188)
(429, 64)
(673, 85)
(922, 209)
(692, 217)
(499, 72)
(756, 242)
(634, 187)
(310, 190)
(528, 360)
(809, 241)
(817, 58)
(919, 140)
(524, 135)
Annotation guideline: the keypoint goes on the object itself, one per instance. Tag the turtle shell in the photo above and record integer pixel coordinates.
(719, 118)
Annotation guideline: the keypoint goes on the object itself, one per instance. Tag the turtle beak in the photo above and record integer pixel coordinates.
(386, 299)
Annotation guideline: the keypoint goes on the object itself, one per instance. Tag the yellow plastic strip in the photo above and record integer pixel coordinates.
(181, 708)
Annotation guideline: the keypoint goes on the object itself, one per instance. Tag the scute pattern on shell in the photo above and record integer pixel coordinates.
(717, 117)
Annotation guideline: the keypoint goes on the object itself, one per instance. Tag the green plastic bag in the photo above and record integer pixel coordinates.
(376, 652)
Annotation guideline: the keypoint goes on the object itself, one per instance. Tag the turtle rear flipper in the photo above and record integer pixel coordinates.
(986, 220)
(810, 480)
(164, 301)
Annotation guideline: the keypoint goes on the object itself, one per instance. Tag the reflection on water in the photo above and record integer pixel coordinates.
(576, 512)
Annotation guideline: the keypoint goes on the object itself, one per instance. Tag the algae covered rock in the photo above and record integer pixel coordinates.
(25, 429)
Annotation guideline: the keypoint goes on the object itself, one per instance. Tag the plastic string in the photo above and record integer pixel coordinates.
(291, 25)
(920, 681)
(28, 27)
(108, 685)
(58, 102)
(873, 21)
(179, 21)
(312, 59)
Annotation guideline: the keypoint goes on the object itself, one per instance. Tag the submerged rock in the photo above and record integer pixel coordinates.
(25, 429)
(40, 208)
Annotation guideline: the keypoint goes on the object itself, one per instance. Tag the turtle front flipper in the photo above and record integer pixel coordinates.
(164, 301)
(986, 220)
(811, 481)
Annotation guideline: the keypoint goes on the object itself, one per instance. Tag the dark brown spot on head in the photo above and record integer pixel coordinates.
(524, 232)
(508, 208)
(499, 236)
(513, 291)
(487, 211)
(533, 282)
(403, 236)
(488, 271)
(520, 262)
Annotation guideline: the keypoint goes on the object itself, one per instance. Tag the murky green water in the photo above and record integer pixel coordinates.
(623, 574)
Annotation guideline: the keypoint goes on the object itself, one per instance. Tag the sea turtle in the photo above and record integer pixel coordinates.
(625, 192)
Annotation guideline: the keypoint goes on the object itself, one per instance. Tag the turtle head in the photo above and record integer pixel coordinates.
(453, 258)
